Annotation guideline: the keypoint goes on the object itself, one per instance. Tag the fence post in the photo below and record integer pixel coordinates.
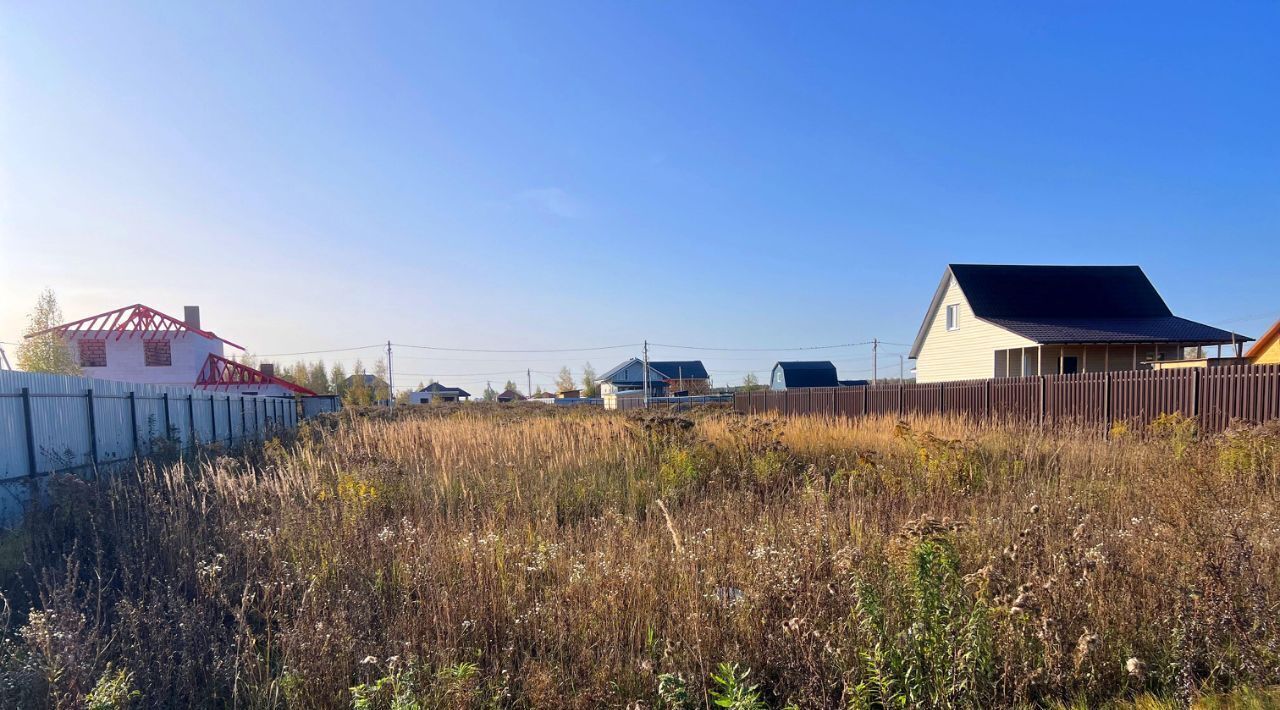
(1106, 404)
(231, 429)
(213, 421)
(902, 400)
(191, 418)
(168, 425)
(1042, 403)
(93, 427)
(31, 432)
(244, 430)
(133, 420)
(986, 400)
(1195, 395)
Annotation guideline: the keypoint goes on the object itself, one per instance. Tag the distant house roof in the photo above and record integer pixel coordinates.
(681, 369)
(369, 380)
(1264, 342)
(658, 370)
(854, 383)
(437, 388)
(1071, 304)
(810, 373)
(510, 395)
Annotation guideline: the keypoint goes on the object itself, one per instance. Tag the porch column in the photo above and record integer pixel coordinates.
(1106, 358)
(1135, 356)
(1084, 358)
(1040, 360)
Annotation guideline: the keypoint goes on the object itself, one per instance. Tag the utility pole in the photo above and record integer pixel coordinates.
(4, 360)
(646, 374)
(875, 353)
(528, 382)
(391, 380)
(902, 368)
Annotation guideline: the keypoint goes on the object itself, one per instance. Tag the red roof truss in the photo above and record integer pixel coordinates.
(221, 373)
(136, 320)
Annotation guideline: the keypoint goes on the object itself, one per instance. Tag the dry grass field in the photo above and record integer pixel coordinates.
(518, 556)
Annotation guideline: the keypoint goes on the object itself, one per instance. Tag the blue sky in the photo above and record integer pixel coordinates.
(548, 175)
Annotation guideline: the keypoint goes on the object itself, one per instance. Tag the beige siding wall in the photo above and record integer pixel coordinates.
(967, 353)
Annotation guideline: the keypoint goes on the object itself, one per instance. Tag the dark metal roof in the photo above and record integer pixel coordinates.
(1160, 329)
(1000, 291)
(1070, 304)
(812, 373)
(441, 389)
(681, 369)
(510, 394)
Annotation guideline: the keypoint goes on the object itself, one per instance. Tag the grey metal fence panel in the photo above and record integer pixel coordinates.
(70, 429)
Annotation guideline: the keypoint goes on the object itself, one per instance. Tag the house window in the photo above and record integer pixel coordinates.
(93, 353)
(156, 353)
(953, 317)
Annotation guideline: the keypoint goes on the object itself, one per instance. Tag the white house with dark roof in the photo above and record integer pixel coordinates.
(990, 320)
(436, 392)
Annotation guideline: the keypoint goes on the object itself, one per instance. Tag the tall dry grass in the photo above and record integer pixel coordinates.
(514, 557)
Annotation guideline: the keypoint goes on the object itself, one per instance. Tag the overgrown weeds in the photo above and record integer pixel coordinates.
(524, 557)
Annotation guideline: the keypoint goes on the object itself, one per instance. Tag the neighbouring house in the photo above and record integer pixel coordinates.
(815, 373)
(436, 392)
(140, 344)
(665, 376)
(510, 396)
(569, 394)
(683, 376)
(1267, 350)
(222, 375)
(989, 320)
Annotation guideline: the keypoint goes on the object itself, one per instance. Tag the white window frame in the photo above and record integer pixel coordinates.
(953, 317)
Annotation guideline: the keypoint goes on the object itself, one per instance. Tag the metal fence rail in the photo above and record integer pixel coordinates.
(1215, 396)
(54, 423)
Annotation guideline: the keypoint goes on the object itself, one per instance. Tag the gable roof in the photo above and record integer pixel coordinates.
(437, 388)
(809, 373)
(1069, 304)
(510, 394)
(611, 375)
(369, 380)
(1264, 342)
(680, 369)
(142, 321)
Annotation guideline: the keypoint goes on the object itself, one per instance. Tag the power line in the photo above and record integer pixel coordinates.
(317, 352)
(762, 350)
(491, 350)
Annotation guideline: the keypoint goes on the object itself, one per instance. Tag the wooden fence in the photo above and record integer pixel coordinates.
(1215, 397)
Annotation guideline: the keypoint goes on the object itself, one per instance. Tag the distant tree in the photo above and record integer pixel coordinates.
(538, 391)
(358, 393)
(590, 388)
(489, 393)
(511, 385)
(381, 393)
(318, 380)
(338, 376)
(751, 382)
(565, 381)
(47, 352)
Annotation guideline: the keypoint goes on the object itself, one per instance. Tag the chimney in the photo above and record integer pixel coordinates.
(191, 315)
(268, 369)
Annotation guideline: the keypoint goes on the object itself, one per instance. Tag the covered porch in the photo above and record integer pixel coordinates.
(1070, 358)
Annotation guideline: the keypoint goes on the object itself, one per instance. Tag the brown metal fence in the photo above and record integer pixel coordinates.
(1215, 396)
